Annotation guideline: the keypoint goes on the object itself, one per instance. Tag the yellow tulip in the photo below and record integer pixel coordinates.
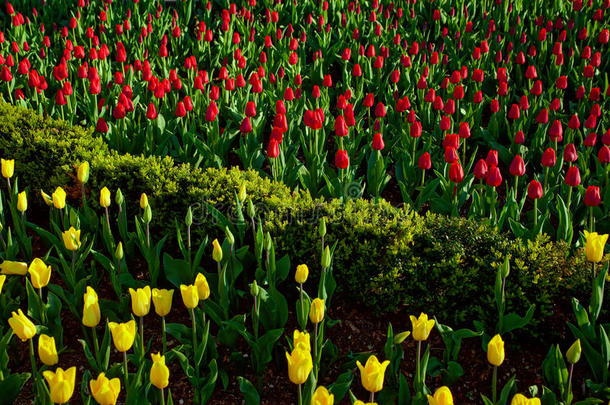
(46, 198)
(372, 373)
(322, 397)
(442, 396)
(159, 373)
(421, 327)
(40, 273)
(316, 310)
(162, 299)
(22, 202)
(8, 168)
(359, 402)
(71, 239)
(140, 301)
(2, 280)
(59, 198)
(301, 339)
(83, 172)
(105, 198)
(299, 365)
(523, 400)
(143, 201)
(91, 308)
(61, 384)
(495, 351)
(47, 351)
(203, 289)
(14, 268)
(301, 274)
(594, 247)
(105, 391)
(217, 252)
(123, 334)
(190, 295)
(22, 326)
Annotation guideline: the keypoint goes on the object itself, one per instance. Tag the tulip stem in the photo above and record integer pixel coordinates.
(300, 395)
(315, 351)
(372, 397)
(570, 381)
(591, 220)
(33, 360)
(162, 397)
(142, 335)
(302, 303)
(417, 368)
(535, 212)
(194, 331)
(126, 370)
(164, 334)
(494, 384)
(96, 345)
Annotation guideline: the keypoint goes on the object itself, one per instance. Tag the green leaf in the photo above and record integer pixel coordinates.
(249, 392)
(11, 386)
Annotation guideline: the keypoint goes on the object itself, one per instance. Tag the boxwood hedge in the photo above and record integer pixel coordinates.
(389, 257)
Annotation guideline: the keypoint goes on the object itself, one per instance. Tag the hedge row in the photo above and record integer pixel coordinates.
(386, 256)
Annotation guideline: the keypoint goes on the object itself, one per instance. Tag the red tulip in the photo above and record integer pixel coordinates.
(377, 143)
(380, 110)
(273, 149)
(480, 169)
(561, 83)
(592, 197)
(251, 109)
(556, 131)
(101, 126)
(604, 155)
(211, 112)
(492, 158)
(569, 153)
(151, 111)
(514, 113)
(59, 97)
(494, 177)
(534, 190)
(424, 161)
(246, 126)
(456, 173)
(341, 159)
(572, 178)
(548, 158)
(574, 122)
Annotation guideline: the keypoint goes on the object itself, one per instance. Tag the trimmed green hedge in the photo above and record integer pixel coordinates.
(388, 257)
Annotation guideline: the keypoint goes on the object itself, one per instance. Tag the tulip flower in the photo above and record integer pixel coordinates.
(519, 399)
(59, 198)
(321, 396)
(105, 198)
(159, 373)
(14, 268)
(372, 374)
(71, 239)
(190, 295)
(495, 356)
(299, 366)
(46, 198)
(105, 391)
(140, 306)
(594, 246)
(359, 402)
(22, 326)
(421, 327)
(61, 384)
(83, 172)
(40, 273)
(203, 288)
(316, 312)
(2, 281)
(143, 201)
(8, 168)
(162, 300)
(22, 202)
(442, 396)
(47, 350)
(574, 352)
(91, 308)
(301, 273)
(123, 334)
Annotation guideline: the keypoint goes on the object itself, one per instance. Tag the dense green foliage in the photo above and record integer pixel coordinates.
(386, 256)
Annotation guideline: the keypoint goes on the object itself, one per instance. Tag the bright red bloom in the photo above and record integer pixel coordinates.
(424, 161)
(456, 173)
(572, 178)
(592, 197)
(494, 177)
(569, 153)
(534, 190)
(480, 169)
(377, 143)
(342, 159)
(273, 149)
(517, 166)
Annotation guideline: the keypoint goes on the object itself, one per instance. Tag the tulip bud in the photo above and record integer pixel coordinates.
(162, 301)
(322, 227)
(118, 252)
(229, 236)
(505, 268)
(254, 289)
(40, 273)
(573, 354)
(22, 326)
(159, 373)
(398, 339)
(83, 172)
(316, 310)
(242, 193)
(143, 201)
(217, 251)
(326, 258)
(495, 351)
(251, 210)
(147, 217)
(118, 198)
(8, 168)
(140, 300)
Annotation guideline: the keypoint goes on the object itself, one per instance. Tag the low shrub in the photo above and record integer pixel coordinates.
(389, 257)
